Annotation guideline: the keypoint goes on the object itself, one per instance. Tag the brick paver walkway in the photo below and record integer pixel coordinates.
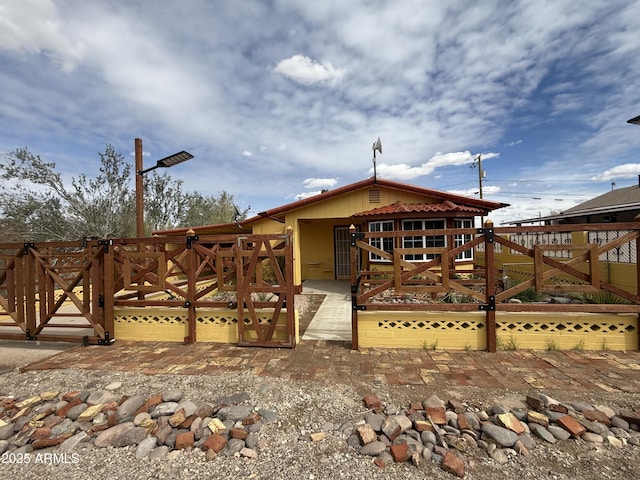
(334, 361)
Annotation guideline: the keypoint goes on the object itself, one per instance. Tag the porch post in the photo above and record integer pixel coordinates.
(490, 287)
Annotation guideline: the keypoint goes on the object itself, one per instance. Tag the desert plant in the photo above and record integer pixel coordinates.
(529, 295)
(579, 346)
(603, 296)
(551, 345)
(510, 344)
(604, 345)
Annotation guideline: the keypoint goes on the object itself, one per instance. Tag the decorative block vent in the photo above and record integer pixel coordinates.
(151, 320)
(440, 326)
(550, 327)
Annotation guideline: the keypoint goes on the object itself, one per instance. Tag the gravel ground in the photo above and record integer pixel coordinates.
(303, 408)
(306, 407)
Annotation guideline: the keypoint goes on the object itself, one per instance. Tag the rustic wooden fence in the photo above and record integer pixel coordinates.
(594, 261)
(70, 291)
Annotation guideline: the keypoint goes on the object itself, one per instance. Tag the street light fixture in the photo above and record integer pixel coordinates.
(166, 162)
(169, 161)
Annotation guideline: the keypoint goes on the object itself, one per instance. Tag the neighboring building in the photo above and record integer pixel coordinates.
(320, 224)
(618, 205)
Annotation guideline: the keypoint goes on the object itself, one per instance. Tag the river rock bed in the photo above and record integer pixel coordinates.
(155, 425)
(444, 433)
(311, 432)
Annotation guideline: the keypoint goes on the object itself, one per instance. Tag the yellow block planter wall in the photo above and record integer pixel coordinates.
(447, 331)
(170, 324)
(467, 331)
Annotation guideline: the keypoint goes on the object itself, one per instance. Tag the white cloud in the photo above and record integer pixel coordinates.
(33, 26)
(475, 192)
(402, 171)
(628, 170)
(247, 153)
(320, 182)
(306, 71)
(301, 196)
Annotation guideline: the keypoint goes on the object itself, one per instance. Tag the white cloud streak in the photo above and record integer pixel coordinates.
(308, 86)
(628, 170)
(305, 71)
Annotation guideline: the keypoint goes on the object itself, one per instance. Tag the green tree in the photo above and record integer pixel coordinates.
(37, 206)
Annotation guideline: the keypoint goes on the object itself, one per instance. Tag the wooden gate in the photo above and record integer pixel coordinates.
(53, 292)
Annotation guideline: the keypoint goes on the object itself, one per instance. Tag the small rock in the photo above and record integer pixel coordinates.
(317, 436)
(158, 452)
(499, 456)
(72, 442)
(145, 447)
(401, 452)
(571, 425)
(101, 396)
(559, 432)
(130, 436)
(433, 402)
(184, 440)
(508, 420)
(503, 436)
(235, 413)
(108, 437)
(248, 453)
(453, 464)
(521, 449)
(173, 395)
(375, 420)
(373, 449)
(592, 437)
(543, 433)
(113, 386)
(614, 442)
(215, 442)
(165, 408)
(127, 409)
(537, 417)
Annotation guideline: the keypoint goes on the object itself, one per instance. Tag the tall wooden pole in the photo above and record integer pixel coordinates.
(139, 190)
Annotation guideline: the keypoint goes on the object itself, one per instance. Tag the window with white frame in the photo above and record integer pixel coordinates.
(384, 243)
(423, 241)
(463, 238)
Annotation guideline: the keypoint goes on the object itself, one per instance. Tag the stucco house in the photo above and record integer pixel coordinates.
(320, 224)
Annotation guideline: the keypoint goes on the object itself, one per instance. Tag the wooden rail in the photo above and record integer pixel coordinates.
(440, 282)
(82, 282)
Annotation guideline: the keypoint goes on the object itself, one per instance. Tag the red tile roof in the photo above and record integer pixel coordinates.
(401, 207)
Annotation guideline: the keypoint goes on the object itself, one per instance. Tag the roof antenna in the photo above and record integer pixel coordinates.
(376, 146)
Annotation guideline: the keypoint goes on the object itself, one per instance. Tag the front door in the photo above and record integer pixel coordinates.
(342, 246)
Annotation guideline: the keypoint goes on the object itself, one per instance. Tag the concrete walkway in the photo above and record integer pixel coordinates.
(332, 321)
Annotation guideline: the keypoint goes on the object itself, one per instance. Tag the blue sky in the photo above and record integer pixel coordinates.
(280, 99)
